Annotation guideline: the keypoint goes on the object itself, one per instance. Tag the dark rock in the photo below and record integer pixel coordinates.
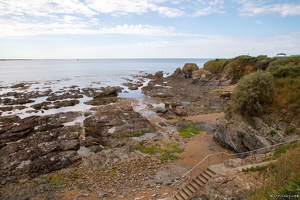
(43, 105)
(159, 74)
(7, 108)
(188, 69)
(180, 112)
(24, 100)
(67, 95)
(65, 103)
(37, 144)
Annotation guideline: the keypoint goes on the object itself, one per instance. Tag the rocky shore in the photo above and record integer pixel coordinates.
(116, 147)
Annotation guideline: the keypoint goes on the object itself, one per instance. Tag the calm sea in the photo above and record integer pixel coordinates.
(95, 73)
(86, 71)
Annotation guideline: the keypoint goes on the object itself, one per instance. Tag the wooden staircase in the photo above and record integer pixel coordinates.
(189, 190)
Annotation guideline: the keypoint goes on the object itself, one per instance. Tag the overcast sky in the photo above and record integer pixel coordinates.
(148, 28)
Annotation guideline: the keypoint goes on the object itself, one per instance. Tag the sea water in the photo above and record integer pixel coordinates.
(84, 73)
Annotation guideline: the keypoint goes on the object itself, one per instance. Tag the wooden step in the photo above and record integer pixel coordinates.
(210, 172)
(199, 181)
(187, 191)
(203, 179)
(191, 188)
(179, 197)
(195, 185)
(183, 194)
(206, 176)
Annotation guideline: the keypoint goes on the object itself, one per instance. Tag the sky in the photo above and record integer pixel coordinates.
(71, 29)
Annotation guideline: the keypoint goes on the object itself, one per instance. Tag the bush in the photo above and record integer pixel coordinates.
(278, 63)
(215, 66)
(253, 92)
(292, 72)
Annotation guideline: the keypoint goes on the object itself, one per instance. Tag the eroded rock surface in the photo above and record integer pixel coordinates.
(37, 145)
(245, 134)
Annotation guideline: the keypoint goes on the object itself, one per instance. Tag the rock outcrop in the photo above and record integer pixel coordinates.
(37, 145)
(110, 125)
(188, 69)
(201, 75)
(245, 134)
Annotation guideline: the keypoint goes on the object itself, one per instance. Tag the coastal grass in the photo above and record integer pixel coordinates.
(58, 180)
(286, 93)
(163, 150)
(283, 176)
(188, 132)
(256, 169)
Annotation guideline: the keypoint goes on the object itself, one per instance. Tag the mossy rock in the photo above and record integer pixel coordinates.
(188, 69)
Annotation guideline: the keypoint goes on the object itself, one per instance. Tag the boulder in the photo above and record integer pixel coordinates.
(188, 69)
(159, 74)
(201, 75)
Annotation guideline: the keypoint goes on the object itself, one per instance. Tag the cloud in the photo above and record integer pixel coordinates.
(252, 8)
(204, 8)
(44, 8)
(205, 46)
(74, 25)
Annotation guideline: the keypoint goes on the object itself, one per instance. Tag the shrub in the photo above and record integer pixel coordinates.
(286, 93)
(262, 62)
(215, 66)
(253, 92)
(292, 72)
(278, 63)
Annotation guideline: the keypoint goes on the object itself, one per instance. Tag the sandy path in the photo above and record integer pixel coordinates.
(201, 145)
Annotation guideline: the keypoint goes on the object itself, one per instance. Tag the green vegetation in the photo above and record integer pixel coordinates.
(136, 134)
(215, 66)
(272, 133)
(256, 169)
(187, 128)
(284, 176)
(282, 149)
(164, 150)
(280, 62)
(113, 173)
(253, 92)
(58, 180)
(188, 132)
(75, 175)
(286, 93)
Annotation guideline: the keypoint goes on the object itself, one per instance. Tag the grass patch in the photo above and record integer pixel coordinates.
(75, 175)
(257, 169)
(284, 178)
(283, 148)
(164, 150)
(188, 132)
(58, 180)
(136, 134)
(187, 129)
(286, 93)
(113, 173)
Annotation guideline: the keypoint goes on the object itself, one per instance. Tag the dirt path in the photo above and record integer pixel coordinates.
(201, 146)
